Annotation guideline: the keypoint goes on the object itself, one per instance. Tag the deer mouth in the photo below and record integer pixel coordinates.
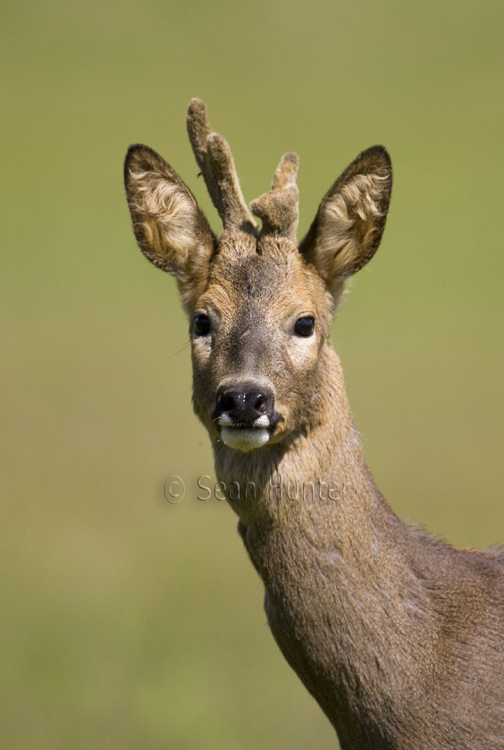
(244, 436)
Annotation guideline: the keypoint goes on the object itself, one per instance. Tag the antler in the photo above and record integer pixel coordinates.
(279, 209)
(215, 160)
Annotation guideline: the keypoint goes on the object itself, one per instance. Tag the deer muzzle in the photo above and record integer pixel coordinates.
(245, 414)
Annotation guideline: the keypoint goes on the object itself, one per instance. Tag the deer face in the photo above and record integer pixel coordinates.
(259, 305)
(256, 335)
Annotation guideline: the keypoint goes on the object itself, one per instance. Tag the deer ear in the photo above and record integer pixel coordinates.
(170, 229)
(349, 224)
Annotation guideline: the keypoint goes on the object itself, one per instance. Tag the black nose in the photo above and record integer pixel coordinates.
(245, 402)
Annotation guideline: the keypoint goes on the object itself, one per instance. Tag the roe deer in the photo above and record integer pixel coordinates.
(397, 635)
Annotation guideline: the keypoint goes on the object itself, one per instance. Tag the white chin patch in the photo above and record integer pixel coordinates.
(245, 439)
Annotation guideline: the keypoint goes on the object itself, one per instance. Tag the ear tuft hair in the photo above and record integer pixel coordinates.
(169, 227)
(349, 224)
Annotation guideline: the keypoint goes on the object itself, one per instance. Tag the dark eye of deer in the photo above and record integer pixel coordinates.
(202, 324)
(305, 326)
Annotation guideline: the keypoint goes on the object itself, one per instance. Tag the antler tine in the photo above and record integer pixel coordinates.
(215, 160)
(279, 209)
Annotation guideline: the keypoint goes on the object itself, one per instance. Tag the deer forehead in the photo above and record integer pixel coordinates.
(273, 285)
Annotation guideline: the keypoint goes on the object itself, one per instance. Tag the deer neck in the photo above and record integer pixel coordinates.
(334, 560)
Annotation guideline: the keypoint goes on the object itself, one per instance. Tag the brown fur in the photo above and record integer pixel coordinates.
(398, 636)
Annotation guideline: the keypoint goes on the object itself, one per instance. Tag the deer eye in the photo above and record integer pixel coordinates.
(201, 324)
(305, 326)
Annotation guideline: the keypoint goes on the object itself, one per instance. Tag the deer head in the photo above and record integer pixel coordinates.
(260, 304)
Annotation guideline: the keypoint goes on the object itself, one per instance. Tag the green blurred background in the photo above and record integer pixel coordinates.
(128, 622)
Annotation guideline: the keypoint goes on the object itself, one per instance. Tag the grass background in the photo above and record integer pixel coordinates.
(127, 622)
